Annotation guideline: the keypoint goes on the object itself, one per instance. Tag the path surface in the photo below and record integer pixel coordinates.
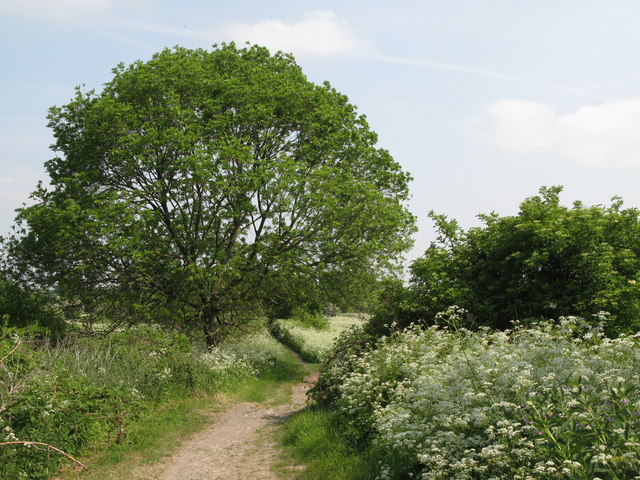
(238, 446)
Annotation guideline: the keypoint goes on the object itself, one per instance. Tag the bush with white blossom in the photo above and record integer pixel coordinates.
(552, 402)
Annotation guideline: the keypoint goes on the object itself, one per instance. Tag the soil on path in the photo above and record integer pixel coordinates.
(239, 445)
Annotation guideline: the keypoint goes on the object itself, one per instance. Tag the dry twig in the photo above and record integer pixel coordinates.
(18, 343)
(45, 445)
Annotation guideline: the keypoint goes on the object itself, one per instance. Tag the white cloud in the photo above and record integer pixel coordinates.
(318, 33)
(601, 135)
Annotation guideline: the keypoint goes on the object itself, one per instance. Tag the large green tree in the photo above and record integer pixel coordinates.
(195, 180)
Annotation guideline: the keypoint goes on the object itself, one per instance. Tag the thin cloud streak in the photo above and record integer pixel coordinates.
(475, 71)
(616, 83)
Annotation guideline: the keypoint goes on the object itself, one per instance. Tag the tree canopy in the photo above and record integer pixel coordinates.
(198, 179)
(545, 262)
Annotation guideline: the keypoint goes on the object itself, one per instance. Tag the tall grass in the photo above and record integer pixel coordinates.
(313, 341)
(314, 437)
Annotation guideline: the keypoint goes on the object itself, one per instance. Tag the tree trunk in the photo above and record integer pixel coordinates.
(212, 326)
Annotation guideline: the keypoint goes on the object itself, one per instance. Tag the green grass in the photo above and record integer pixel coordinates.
(312, 343)
(267, 385)
(158, 433)
(313, 437)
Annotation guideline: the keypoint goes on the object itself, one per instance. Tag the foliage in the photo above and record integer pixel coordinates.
(348, 346)
(534, 403)
(308, 318)
(196, 181)
(545, 262)
(248, 369)
(313, 340)
(20, 307)
(84, 392)
(348, 290)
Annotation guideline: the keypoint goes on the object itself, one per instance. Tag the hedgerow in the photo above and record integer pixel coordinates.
(547, 261)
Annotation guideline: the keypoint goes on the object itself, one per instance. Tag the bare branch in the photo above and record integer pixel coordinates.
(51, 447)
(18, 343)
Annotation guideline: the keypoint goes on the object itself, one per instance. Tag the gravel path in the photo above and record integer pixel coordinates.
(239, 445)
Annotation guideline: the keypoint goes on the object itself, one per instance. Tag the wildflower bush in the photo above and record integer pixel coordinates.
(83, 392)
(312, 340)
(532, 403)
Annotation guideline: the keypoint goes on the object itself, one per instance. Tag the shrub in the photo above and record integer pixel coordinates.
(21, 307)
(545, 262)
(48, 403)
(312, 319)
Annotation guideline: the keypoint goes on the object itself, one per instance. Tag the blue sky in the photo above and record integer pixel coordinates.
(482, 102)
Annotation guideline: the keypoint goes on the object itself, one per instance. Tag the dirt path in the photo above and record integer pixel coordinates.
(238, 446)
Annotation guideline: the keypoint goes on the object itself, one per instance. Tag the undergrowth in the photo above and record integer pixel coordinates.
(558, 401)
(85, 396)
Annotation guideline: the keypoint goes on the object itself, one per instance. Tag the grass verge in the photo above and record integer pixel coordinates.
(151, 438)
(120, 403)
(158, 434)
(314, 438)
